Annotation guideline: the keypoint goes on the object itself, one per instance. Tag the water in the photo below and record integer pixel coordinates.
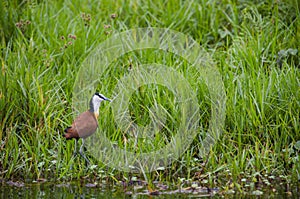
(77, 190)
(55, 191)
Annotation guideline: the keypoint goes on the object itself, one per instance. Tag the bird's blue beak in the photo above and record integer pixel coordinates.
(107, 99)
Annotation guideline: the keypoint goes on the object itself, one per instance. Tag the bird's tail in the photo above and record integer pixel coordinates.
(66, 130)
(67, 135)
(71, 133)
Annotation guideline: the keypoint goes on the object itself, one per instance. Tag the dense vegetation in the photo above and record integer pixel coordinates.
(255, 45)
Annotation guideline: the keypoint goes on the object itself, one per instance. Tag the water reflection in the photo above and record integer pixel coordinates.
(56, 191)
(77, 190)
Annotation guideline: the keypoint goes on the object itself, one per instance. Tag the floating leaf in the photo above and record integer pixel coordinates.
(257, 192)
(63, 185)
(93, 166)
(90, 185)
(230, 191)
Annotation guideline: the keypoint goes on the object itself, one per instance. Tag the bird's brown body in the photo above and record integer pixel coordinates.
(83, 126)
(86, 123)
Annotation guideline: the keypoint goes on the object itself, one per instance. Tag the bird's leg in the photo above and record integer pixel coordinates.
(74, 153)
(75, 149)
(81, 152)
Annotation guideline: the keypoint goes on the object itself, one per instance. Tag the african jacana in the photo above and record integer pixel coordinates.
(86, 123)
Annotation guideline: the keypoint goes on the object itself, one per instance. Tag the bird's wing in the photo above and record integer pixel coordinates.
(85, 124)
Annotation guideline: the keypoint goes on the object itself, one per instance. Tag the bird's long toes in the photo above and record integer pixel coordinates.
(84, 157)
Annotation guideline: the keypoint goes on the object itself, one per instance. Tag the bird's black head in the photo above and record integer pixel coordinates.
(102, 97)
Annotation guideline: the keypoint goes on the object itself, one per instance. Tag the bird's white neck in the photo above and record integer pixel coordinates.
(94, 106)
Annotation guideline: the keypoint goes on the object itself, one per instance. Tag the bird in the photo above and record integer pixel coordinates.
(85, 124)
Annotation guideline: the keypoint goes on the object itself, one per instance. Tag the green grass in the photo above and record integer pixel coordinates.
(254, 43)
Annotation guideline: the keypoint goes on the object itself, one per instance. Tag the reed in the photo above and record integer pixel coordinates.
(254, 43)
